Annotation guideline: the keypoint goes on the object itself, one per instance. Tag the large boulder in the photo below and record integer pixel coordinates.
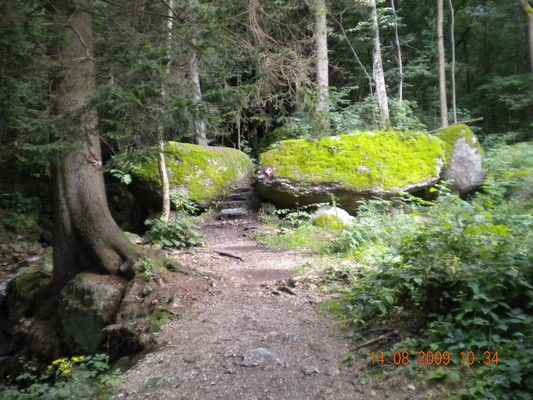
(464, 159)
(202, 174)
(349, 167)
(88, 303)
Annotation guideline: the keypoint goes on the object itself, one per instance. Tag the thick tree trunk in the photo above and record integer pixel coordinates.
(529, 12)
(85, 235)
(442, 64)
(399, 50)
(322, 63)
(379, 75)
(452, 46)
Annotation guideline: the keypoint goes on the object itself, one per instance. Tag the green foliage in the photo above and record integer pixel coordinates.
(455, 275)
(177, 234)
(364, 115)
(366, 160)
(78, 377)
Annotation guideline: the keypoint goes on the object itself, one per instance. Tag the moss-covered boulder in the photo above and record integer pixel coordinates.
(88, 303)
(464, 158)
(349, 167)
(200, 173)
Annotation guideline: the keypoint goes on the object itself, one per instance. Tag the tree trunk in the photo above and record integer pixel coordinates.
(529, 12)
(162, 162)
(194, 75)
(399, 49)
(442, 63)
(199, 123)
(379, 76)
(452, 46)
(85, 235)
(322, 64)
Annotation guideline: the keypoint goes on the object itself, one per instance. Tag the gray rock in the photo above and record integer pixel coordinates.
(268, 208)
(310, 370)
(465, 170)
(87, 304)
(336, 212)
(259, 356)
(233, 213)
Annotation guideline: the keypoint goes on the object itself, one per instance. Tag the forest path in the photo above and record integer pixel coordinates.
(245, 339)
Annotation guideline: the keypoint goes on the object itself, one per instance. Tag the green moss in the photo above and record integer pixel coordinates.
(330, 222)
(380, 160)
(159, 318)
(450, 135)
(202, 173)
(305, 237)
(32, 282)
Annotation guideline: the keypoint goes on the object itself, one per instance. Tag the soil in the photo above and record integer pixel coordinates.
(255, 334)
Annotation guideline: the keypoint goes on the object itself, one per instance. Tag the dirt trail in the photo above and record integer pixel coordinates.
(245, 339)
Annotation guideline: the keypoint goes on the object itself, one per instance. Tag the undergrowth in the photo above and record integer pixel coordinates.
(78, 377)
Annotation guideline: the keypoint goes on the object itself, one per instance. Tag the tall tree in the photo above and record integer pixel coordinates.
(322, 61)
(162, 162)
(85, 235)
(377, 62)
(452, 48)
(442, 65)
(399, 51)
(194, 75)
(528, 9)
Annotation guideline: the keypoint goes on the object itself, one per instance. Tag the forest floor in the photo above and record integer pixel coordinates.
(255, 334)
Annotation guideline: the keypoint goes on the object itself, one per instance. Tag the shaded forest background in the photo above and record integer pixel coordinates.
(255, 64)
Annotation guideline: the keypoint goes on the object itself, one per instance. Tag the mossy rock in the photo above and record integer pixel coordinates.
(464, 158)
(88, 303)
(30, 288)
(329, 222)
(203, 174)
(349, 167)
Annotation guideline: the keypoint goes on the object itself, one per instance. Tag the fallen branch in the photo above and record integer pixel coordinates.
(223, 253)
(468, 121)
(378, 339)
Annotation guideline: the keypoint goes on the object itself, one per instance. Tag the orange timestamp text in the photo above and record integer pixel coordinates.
(434, 358)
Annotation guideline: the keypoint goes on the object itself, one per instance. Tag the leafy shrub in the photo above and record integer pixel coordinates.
(177, 234)
(78, 377)
(454, 275)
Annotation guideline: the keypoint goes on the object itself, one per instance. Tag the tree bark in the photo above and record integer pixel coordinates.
(529, 12)
(452, 46)
(442, 63)
(162, 161)
(379, 75)
(399, 50)
(85, 235)
(199, 124)
(322, 63)
(194, 75)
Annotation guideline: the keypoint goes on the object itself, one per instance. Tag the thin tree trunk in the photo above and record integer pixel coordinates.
(442, 62)
(199, 124)
(379, 76)
(194, 75)
(85, 235)
(162, 162)
(529, 12)
(322, 63)
(357, 59)
(452, 45)
(399, 49)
